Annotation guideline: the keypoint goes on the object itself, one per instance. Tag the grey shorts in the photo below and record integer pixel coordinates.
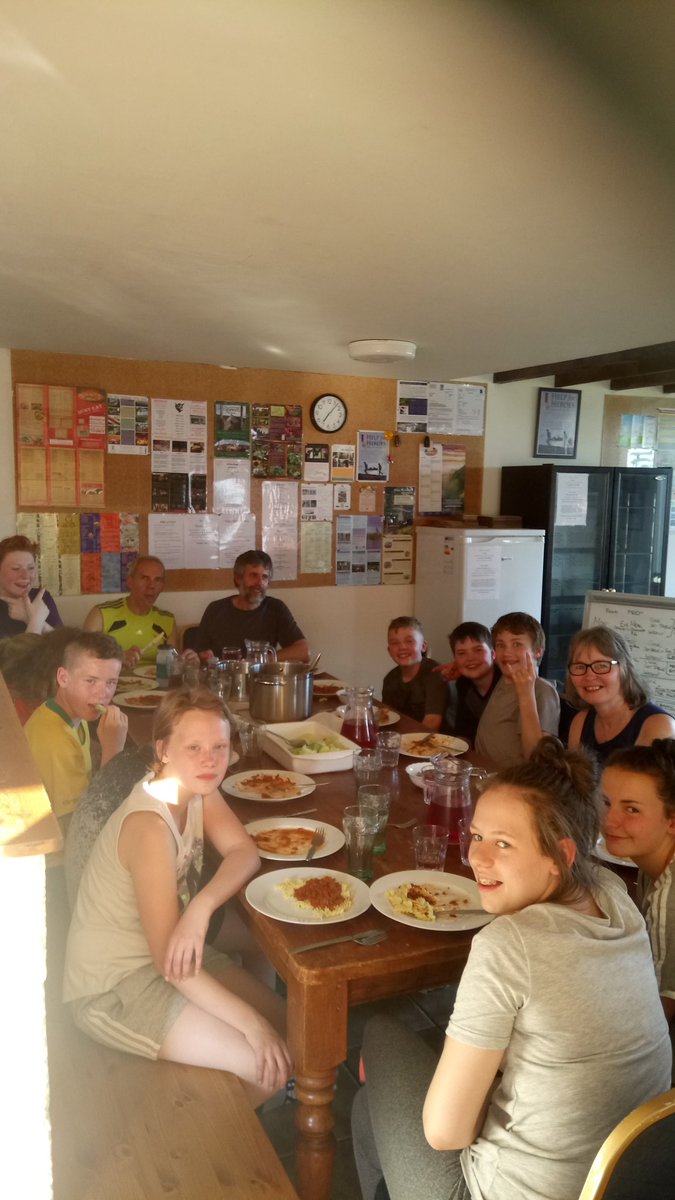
(138, 1013)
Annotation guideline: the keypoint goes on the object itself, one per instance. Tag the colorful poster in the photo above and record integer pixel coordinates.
(399, 509)
(373, 456)
(397, 558)
(276, 430)
(127, 424)
(232, 435)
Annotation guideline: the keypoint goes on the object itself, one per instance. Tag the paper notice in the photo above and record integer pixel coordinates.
(571, 499)
(483, 571)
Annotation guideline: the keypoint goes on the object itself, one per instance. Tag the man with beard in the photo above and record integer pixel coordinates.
(251, 614)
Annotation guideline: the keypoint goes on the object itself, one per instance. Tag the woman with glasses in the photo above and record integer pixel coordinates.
(617, 713)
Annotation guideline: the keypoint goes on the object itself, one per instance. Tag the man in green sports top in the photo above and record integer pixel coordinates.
(134, 620)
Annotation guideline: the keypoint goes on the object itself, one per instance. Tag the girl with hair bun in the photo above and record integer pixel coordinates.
(638, 791)
(539, 1062)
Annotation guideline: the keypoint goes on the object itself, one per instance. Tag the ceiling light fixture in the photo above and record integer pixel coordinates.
(381, 350)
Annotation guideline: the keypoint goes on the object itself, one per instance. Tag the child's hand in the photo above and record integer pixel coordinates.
(272, 1057)
(112, 732)
(185, 950)
(449, 671)
(523, 675)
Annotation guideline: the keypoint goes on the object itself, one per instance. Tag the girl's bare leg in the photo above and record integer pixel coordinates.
(202, 1040)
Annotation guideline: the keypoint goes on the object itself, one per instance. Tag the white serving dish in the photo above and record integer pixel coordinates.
(309, 764)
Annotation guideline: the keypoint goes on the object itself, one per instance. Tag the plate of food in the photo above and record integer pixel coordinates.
(144, 698)
(428, 745)
(146, 670)
(602, 852)
(429, 900)
(383, 714)
(308, 896)
(269, 785)
(288, 838)
(129, 683)
(328, 687)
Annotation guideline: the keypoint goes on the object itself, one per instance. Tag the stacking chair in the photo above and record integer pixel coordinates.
(637, 1160)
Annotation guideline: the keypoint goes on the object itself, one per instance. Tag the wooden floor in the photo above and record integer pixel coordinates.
(125, 1128)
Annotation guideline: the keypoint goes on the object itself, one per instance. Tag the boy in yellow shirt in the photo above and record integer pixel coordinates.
(58, 733)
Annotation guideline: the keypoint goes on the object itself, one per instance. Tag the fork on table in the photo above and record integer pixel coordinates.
(316, 841)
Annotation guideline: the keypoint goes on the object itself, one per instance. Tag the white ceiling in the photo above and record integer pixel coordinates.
(257, 182)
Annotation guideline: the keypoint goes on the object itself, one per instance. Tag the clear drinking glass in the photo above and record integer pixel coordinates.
(375, 797)
(360, 830)
(431, 846)
(249, 739)
(389, 745)
(367, 766)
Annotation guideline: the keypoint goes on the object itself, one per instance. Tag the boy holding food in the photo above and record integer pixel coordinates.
(414, 687)
(58, 733)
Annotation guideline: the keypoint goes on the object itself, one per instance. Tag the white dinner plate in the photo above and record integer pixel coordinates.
(417, 771)
(442, 743)
(146, 671)
(144, 699)
(127, 683)
(602, 852)
(388, 717)
(329, 687)
(263, 895)
(465, 889)
(234, 785)
(334, 839)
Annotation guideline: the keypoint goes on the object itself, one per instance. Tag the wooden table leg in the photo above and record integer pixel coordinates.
(315, 1142)
(317, 1026)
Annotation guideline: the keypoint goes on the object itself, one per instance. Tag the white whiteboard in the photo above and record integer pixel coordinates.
(648, 625)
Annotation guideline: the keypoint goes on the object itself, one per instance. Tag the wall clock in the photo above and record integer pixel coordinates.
(328, 413)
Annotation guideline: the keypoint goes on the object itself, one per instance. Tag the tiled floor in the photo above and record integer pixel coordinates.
(426, 1012)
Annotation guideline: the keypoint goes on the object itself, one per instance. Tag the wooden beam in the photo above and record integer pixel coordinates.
(571, 376)
(648, 379)
(603, 366)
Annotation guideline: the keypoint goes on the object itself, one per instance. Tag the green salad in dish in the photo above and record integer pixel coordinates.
(319, 745)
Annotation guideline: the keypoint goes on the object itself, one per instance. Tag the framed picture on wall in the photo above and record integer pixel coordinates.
(557, 423)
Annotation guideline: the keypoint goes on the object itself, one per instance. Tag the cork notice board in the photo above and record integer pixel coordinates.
(371, 404)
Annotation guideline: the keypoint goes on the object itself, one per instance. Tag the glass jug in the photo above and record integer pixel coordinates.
(359, 723)
(448, 792)
(259, 652)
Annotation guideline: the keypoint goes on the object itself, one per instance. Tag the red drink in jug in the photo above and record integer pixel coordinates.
(364, 733)
(448, 815)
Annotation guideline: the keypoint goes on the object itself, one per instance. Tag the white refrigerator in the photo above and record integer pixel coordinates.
(474, 575)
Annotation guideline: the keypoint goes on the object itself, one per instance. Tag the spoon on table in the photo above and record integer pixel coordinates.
(370, 937)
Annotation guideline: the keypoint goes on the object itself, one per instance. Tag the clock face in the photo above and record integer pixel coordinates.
(328, 413)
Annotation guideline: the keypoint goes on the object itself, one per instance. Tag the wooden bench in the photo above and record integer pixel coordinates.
(125, 1128)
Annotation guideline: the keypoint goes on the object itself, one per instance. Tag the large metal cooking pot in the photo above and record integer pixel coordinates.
(280, 691)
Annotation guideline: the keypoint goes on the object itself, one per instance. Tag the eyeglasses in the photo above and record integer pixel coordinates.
(602, 666)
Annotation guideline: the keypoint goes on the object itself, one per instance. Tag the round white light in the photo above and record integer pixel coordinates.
(381, 350)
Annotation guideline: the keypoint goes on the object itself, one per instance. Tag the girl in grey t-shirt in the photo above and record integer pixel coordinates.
(540, 1060)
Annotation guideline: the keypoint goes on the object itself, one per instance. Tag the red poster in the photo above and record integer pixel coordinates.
(90, 413)
(90, 572)
(110, 533)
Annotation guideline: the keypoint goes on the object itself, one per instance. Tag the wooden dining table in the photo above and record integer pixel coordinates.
(324, 984)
